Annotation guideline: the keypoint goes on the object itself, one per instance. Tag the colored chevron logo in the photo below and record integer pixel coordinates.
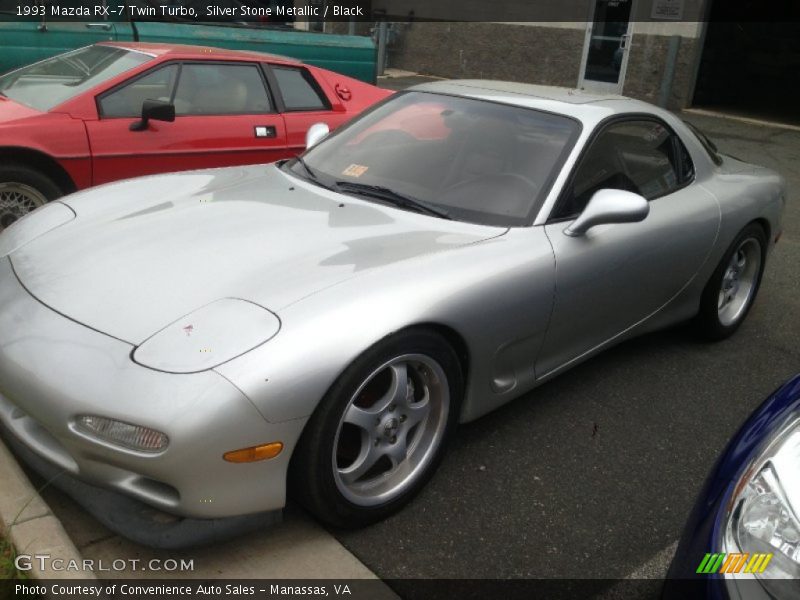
(734, 563)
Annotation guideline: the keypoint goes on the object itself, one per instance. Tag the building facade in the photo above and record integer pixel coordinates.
(676, 53)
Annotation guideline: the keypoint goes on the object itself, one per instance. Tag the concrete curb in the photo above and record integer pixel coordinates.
(741, 118)
(399, 73)
(295, 549)
(31, 526)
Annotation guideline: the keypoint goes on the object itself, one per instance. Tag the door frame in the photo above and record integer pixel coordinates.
(601, 86)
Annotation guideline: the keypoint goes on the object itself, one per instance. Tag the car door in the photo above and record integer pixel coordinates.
(225, 116)
(617, 275)
(303, 103)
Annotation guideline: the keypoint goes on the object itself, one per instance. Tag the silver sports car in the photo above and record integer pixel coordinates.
(203, 341)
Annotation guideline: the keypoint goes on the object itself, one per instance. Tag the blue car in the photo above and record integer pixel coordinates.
(742, 539)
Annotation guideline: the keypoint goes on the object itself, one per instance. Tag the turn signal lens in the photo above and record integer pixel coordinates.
(254, 454)
(134, 437)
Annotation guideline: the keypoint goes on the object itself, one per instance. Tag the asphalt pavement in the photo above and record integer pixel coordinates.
(593, 474)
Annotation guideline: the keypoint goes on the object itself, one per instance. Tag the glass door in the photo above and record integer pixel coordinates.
(605, 51)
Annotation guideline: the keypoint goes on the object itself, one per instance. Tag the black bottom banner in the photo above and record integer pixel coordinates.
(711, 588)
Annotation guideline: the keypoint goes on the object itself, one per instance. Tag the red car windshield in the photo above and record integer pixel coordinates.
(461, 158)
(48, 83)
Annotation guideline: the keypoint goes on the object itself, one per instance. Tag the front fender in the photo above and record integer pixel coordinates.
(497, 295)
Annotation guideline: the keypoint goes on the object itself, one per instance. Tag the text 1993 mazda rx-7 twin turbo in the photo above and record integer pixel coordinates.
(196, 340)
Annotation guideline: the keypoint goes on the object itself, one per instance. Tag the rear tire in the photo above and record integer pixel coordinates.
(23, 190)
(731, 290)
(380, 432)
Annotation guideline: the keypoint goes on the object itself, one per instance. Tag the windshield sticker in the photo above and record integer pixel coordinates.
(355, 170)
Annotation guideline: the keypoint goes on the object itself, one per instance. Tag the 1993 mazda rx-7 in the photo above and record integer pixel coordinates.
(197, 340)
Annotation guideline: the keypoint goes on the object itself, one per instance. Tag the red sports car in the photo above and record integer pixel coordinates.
(117, 110)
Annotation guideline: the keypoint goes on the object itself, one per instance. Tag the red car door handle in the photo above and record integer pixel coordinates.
(265, 131)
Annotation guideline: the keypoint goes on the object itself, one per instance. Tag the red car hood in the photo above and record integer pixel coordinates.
(13, 111)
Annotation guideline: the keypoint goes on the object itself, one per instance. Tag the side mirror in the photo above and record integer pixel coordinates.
(316, 133)
(609, 206)
(156, 110)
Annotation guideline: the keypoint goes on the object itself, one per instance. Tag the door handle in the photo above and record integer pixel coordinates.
(623, 41)
(265, 131)
(103, 26)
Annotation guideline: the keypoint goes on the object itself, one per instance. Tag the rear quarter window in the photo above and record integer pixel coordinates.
(707, 144)
(299, 90)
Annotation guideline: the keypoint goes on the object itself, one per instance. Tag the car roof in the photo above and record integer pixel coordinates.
(576, 103)
(204, 52)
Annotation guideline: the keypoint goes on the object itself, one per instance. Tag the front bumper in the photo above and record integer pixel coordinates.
(53, 369)
(135, 520)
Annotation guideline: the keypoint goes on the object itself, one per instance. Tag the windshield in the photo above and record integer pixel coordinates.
(48, 83)
(473, 160)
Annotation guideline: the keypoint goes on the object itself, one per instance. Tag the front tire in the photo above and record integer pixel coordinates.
(23, 190)
(729, 294)
(380, 432)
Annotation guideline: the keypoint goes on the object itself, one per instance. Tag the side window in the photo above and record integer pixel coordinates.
(221, 89)
(635, 156)
(127, 101)
(708, 145)
(648, 154)
(686, 164)
(298, 89)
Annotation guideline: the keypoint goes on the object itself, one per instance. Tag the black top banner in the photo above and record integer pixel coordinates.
(280, 12)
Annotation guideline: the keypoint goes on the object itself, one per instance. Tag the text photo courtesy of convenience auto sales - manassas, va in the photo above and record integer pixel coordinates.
(413, 299)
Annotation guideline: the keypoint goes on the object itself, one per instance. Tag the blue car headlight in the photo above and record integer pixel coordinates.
(34, 224)
(208, 337)
(763, 515)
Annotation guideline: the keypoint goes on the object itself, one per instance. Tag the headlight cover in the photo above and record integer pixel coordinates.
(34, 224)
(119, 433)
(763, 516)
(208, 337)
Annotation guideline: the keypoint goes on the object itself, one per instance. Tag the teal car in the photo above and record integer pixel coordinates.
(31, 31)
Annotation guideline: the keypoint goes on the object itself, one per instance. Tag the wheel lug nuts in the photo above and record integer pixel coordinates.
(402, 418)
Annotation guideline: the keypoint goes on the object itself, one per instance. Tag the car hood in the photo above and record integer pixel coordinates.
(11, 111)
(145, 252)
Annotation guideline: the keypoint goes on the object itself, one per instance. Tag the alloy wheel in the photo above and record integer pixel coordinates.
(739, 282)
(391, 430)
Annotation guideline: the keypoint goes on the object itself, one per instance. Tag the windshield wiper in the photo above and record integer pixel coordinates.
(392, 197)
(308, 169)
(311, 174)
